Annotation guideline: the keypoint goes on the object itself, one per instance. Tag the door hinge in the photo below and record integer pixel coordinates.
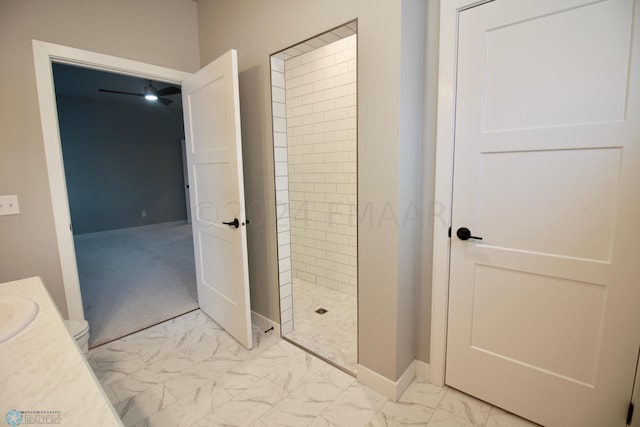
(630, 413)
(449, 231)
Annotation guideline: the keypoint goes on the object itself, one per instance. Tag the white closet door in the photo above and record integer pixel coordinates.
(544, 311)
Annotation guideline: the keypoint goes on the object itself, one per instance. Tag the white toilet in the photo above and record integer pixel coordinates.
(79, 330)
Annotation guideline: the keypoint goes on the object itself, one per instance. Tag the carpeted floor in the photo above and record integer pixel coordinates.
(135, 277)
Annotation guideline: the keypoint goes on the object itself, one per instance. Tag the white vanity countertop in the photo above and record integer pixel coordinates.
(43, 373)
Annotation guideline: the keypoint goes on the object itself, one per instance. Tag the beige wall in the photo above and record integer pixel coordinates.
(117, 27)
(169, 37)
(389, 271)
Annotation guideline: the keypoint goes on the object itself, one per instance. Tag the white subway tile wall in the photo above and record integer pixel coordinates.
(320, 145)
(282, 192)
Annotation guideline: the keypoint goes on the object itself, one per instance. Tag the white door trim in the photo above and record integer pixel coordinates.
(44, 54)
(449, 11)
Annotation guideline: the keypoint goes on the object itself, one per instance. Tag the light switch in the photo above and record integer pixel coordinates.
(9, 205)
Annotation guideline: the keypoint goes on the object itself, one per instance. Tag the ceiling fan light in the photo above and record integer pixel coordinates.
(150, 93)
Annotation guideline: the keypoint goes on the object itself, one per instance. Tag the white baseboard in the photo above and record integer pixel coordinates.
(265, 323)
(105, 233)
(422, 370)
(405, 379)
(383, 385)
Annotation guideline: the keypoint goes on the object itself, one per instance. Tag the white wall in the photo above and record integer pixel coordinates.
(281, 170)
(322, 162)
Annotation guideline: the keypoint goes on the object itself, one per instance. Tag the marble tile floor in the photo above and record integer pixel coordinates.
(190, 372)
(332, 335)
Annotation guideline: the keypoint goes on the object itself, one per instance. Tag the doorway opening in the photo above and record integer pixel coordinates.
(314, 99)
(125, 183)
(223, 99)
(45, 55)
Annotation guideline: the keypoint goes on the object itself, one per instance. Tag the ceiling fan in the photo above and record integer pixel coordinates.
(151, 93)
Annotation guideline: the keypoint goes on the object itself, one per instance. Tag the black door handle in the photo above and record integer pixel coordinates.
(464, 233)
(235, 223)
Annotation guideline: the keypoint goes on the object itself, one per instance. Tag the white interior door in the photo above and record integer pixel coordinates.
(544, 311)
(214, 159)
(185, 179)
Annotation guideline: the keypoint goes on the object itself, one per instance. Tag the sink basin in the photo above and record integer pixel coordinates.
(16, 313)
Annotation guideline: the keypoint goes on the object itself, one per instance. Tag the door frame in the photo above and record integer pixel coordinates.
(44, 54)
(445, 125)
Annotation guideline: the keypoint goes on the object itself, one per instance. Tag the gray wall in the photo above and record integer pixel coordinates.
(410, 140)
(116, 28)
(121, 158)
(389, 249)
(429, 207)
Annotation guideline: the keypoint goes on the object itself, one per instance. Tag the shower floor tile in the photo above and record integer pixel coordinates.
(333, 334)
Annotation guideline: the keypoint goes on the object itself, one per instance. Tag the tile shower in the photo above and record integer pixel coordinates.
(314, 94)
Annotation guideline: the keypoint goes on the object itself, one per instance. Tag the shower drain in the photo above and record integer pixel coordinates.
(321, 311)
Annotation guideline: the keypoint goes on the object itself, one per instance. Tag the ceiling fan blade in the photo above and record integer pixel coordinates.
(165, 101)
(121, 93)
(171, 90)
